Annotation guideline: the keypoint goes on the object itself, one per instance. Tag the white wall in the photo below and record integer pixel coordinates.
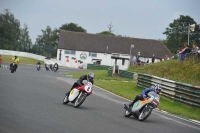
(23, 54)
(29, 55)
(106, 59)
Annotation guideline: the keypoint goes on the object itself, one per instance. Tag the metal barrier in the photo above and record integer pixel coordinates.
(97, 67)
(3, 66)
(181, 92)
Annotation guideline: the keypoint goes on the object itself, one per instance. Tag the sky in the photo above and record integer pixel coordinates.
(133, 18)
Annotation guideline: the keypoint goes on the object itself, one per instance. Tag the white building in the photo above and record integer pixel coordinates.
(76, 49)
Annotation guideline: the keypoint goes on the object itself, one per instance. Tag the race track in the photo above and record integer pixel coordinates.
(31, 102)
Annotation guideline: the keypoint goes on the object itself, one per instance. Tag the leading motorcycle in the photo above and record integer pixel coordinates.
(143, 108)
(78, 94)
(13, 67)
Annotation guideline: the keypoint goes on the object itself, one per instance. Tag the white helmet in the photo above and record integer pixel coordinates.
(157, 88)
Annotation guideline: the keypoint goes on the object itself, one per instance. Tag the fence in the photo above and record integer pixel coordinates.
(181, 92)
(97, 67)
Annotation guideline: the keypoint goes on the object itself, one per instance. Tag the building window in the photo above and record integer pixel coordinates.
(92, 54)
(73, 52)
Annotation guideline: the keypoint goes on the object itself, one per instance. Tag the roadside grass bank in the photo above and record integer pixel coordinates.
(187, 71)
(129, 90)
(23, 60)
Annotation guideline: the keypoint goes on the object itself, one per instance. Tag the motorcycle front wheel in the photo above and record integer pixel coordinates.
(145, 113)
(65, 100)
(81, 98)
(127, 113)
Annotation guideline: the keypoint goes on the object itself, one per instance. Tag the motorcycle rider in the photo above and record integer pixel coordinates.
(89, 77)
(38, 63)
(46, 67)
(51, 67)
(16, 60)
(55, 66)
(157, 89)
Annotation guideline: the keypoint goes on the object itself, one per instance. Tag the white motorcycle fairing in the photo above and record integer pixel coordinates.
(73, 94)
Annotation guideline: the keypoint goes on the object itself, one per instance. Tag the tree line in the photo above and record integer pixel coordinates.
(13, 37)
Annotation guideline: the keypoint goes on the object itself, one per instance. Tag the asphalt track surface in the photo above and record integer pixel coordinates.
(31, 102)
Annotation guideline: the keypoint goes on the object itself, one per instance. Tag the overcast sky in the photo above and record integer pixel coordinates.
(133, 18)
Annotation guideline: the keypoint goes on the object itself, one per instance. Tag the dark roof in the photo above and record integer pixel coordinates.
(115, 44)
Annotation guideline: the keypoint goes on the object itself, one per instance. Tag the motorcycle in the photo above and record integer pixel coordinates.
(38, 67)
(143, 108)
(78, 94)
(13, 67)
(55, 69)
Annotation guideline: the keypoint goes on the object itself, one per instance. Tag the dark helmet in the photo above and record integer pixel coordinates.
(15, 56)
(90, 76)
(157, 88)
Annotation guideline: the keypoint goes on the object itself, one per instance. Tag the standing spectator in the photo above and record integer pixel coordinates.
(153, 59)
(134, 60)
(185, 52)
(195, 48)
(166, 57)
(0, 60)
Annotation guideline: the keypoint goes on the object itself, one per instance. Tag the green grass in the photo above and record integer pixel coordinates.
(129, 90)
(24, 60)
(185, 71)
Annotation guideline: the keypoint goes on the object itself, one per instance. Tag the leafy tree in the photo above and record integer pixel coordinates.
(46, 44)
(177, 33)
(9, 31)
(72, 27)
(106, 33)
(25, 43)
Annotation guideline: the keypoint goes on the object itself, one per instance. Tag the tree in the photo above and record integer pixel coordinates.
(177, 33)
(109, 32)
(106, 33)
(9, 31)
(72, 27)
(46, 44)
(25, 43)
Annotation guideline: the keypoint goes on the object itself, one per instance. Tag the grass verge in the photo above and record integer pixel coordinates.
(129, 90)
(25, 60)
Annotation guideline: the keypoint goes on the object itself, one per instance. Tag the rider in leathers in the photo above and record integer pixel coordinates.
(157, 89)
(89, 77)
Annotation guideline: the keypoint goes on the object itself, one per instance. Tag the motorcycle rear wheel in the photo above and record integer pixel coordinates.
(144, 114)
(81, 98)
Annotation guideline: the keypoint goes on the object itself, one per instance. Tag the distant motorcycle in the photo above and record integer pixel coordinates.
(38, 67)
(13, 67)
(55, 69)
(78, 94)
(143, 108)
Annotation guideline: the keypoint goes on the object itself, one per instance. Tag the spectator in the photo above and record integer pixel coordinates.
(0, 60)
(153, 59)
(166, 57)
(148, 61)
(184, 53)
(195, 48)
(134, 60)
